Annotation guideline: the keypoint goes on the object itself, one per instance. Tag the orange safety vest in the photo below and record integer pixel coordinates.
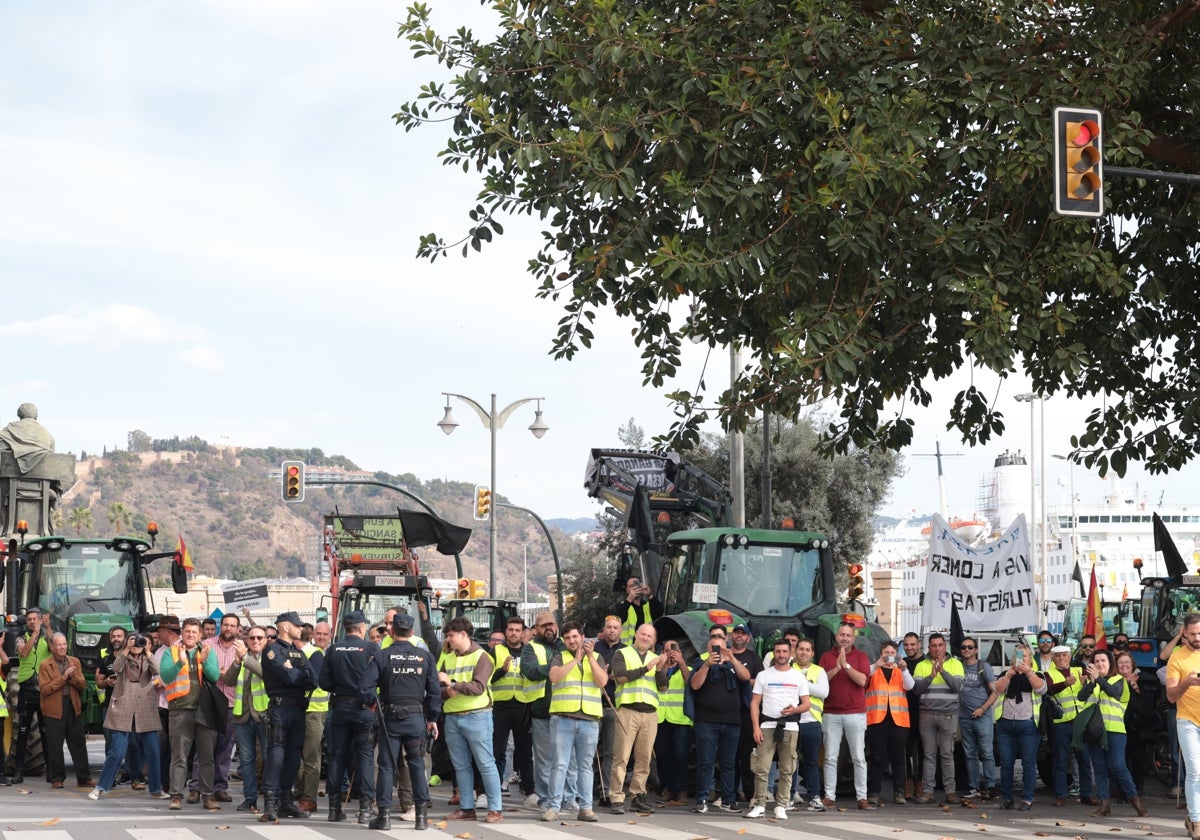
(182, 684)
(884, 694)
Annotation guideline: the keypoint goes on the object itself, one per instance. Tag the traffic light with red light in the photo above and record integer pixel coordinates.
(483, 502)
(464, 588)
(854, 591)
(1078, 162)
(293, 481)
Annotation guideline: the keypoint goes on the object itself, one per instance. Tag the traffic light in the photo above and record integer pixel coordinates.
(478, 589)
(464, 588)
(483, 502)
(1078, 162)
(854, 591)
(293, 481)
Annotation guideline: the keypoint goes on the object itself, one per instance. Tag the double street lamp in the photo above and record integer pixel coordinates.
(1036, 512)
(492, 421)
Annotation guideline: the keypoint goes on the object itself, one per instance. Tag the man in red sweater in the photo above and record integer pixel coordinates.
(846, 712)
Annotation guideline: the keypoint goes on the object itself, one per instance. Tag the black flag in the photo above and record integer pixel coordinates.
(1078, 575)
(956, 629)
(1176, 568)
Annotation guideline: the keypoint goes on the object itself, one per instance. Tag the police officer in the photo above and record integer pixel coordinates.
(409, 700)
(352, 723)
(288, 676)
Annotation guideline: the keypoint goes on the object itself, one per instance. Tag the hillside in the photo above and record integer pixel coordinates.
(235, 524)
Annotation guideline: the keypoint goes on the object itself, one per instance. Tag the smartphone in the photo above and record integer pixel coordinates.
(1020, 657)
(891, 659)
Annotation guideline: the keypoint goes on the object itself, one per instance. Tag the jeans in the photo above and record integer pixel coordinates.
(1110, 762)
(977, 736)
(574, 743)
(809, 758)
(855, 729)
(251, 743)
(1018, 739)
(1189, 750)
(469, 736)
(937, 736)
(118, 745)
(673, 747)
(716, 743)
(543, 754)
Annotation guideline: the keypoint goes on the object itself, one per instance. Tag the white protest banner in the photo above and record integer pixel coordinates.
(992, 584)
(245, 594)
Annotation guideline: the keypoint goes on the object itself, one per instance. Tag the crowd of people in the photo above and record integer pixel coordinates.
(607, 722)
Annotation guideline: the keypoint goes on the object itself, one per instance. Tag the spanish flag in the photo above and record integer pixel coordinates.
(184, 557)
(1093, 621)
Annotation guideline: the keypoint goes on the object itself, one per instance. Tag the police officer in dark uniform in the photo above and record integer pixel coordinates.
(352, 722)
(288, 676)
(410, 700)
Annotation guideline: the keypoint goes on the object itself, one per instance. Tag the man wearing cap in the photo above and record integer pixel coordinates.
(185, 665)
(1063, 681)
(352, 723)
(288, 677)
(166, 629)
(32, 650)
(409, 701)
(743, 771)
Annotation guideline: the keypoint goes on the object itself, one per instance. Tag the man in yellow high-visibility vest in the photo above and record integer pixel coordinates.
(578, 678)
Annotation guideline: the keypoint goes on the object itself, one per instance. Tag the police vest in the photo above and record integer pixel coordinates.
(406, 674)
(1112, 709)
(578, 692)
(886, 695)
(640, 690)
(30, 661)
(318, 698)
(258, 693)
(632, 622)
(816, 704)
(462, 669)
(182, 684)
(670, 701)
(1068, 698)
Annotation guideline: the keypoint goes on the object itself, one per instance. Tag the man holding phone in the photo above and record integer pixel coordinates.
(639, 607)
(716, 685)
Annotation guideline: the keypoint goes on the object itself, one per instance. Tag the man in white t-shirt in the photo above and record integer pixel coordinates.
(780, 698)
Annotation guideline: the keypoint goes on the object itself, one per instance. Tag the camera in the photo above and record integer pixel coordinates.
(137, 642)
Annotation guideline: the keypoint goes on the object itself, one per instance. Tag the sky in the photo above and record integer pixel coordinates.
(209, 224)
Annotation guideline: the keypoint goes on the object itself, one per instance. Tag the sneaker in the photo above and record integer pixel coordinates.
(617, 808)
(95, 794)
(531, 801)
(549, 816)
(481, 802)
(435, 780)
(734, 807)
(504, 788)
(973, 793)
(159, 794)
(756, 812)
(588, 815)
(1073, 790)
(815, 804)
(780, 812)
(701, 807)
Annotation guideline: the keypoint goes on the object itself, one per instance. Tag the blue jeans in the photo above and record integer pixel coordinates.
(1110, 762)
(716, 743)
(1018, 739)
(811, 736)
(1189, 750)
(673, 746)
(977, 734)
(251, 739)
(118, 746)
(574, 751)
(469, 735)
(1063, 733)
(543, 760)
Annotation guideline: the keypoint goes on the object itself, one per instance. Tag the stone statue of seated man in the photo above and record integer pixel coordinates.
(28, 439)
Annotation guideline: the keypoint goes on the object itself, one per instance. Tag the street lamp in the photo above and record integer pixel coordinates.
(492, 421)
(1074, 519)
(1034, 509)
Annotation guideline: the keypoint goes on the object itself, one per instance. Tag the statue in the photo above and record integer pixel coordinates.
(28, 439)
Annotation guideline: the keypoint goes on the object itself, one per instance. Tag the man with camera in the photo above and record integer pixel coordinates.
(639, 607)
(132, 716)
(716, 682)
(32, 650)
(673, 744)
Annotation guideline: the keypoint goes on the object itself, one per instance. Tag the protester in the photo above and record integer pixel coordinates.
(1183, 689)
(1019, 692)
(308, 778)
(846, 714)
(182, 669)
(811, 731)
(535, 669)
(223, 648)
(607, 644)
(249, 712)
(62, 683)
(888, 723)
(1110, 691)
(716, 683)
(739, 647)
(32, 650)
(1142, 722)
(975, 722)
(464, 676)
(938, 678)
(639, 607)
(912, 655)
(578, 679)
(132, 716)
(673, 745)
(639, 674)
(780, 697)
(511, 709)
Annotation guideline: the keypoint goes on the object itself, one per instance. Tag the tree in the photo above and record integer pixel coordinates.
(120, 517)
(139, 441)
(81, 520)
(858, 192)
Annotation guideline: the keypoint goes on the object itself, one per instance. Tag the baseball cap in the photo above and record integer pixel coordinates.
(741, 628)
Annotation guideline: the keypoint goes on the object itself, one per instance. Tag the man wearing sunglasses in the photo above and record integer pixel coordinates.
(975, 721)
(1045, 643)
(1087, 647)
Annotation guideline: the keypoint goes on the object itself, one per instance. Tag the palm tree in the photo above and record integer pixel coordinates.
(56, 520)
(81, 520)
(121, 517)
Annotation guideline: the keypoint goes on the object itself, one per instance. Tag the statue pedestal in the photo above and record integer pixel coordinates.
(30, 496)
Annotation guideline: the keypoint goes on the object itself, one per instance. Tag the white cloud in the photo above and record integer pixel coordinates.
(204, 358)
(105, 327)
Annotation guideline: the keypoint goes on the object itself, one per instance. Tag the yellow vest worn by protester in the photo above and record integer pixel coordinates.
(670, 702)
(258, 692)
(641, 690)
(578, 692)
(318, 698)
(1068, 698)
(462, 669)
(816, 704)
(513, 686)
(1112, 709)
(634, 617)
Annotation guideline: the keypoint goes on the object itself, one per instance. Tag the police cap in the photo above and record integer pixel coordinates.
(354, 618)
(291, 617)
(402, 621)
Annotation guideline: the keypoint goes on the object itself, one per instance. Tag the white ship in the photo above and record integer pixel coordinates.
(1110, 535)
